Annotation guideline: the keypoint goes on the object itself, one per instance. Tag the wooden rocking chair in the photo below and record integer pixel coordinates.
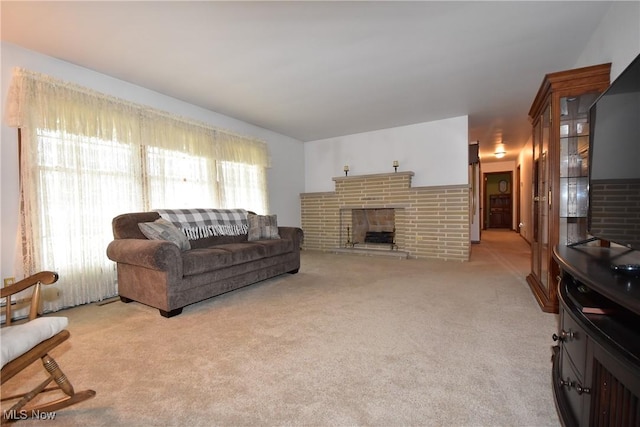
(23, 343)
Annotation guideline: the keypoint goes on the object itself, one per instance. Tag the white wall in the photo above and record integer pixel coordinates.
(616, 40)
(525, 161)
(285, 178)
(437, 152)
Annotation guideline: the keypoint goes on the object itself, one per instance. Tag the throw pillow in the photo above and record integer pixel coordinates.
(161, 229)
(263, 227)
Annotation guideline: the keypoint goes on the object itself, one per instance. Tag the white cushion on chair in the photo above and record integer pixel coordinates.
(17, 340)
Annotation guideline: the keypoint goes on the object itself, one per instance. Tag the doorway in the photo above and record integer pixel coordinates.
(498, 191)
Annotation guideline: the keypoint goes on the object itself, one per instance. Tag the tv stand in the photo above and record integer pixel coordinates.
(596, 362)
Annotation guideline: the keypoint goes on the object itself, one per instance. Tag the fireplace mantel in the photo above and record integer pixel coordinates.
(374, 206)
(370, 176)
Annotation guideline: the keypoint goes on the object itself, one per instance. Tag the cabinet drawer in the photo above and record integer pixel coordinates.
(570, 378)
(574, 341)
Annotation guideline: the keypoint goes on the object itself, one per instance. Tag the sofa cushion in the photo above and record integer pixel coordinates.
(275, 247)
(161, 229)
(263, 227)
(244, 252)
(198, 261)
(208, 242)
(18, 339)
(125, 226)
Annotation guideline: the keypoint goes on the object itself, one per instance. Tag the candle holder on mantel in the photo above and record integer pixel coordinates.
(395, 165)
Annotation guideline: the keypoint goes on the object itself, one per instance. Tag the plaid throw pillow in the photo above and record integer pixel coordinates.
(263, 227)
(161, 229)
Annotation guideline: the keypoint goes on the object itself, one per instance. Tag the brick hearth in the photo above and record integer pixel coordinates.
(430, 222)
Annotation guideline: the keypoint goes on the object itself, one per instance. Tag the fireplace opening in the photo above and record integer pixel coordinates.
(373, 225)
(379, 237)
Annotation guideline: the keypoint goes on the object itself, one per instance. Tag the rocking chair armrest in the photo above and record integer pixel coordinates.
(43, 277)
(154, 254)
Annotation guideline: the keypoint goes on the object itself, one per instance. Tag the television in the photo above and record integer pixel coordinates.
(614, 161)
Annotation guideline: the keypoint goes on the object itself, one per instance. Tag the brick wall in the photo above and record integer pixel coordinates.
(615, 210)
(431, 222)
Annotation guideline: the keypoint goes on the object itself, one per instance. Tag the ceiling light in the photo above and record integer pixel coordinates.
(500, 151)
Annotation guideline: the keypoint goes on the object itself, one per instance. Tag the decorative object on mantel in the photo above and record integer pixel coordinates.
(395, 165)
(346, 170)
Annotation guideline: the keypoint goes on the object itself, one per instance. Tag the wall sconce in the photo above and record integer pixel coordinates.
(395, 165)
(346, 170)
(500, 151)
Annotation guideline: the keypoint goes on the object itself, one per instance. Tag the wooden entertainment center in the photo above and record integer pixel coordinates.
(596, 362)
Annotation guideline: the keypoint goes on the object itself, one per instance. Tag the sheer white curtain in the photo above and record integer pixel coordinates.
(87, 157)
(78, 160)
(242, 173)
(179, 180)
(179, 163)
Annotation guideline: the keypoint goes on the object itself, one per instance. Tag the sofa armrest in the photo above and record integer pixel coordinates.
(292, 233)
(154, 254)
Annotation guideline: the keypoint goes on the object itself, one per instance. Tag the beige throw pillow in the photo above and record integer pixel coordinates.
(263, 227)
(161, 229)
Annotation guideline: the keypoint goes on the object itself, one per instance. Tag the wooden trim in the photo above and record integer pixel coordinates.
(595, 77)
(548, 302)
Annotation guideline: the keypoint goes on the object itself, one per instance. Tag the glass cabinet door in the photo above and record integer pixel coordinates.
(540, 247)
(574, 167)
(545, 193)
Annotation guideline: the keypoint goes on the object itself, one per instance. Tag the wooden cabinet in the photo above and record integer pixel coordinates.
(500, 211)
(560, 118)
(596, 364)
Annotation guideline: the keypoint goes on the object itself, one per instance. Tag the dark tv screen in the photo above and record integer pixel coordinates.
(614, 161)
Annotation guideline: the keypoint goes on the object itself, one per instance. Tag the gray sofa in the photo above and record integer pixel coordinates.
(159, 274)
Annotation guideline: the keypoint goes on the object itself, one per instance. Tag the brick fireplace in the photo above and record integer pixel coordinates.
(426, 222)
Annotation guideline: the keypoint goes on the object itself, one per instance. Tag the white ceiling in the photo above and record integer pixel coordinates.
(314, 70)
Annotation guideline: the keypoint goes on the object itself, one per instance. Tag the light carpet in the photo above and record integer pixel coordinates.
(348, 341)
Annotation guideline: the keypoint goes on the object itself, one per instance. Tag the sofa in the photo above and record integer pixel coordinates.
(169, 259)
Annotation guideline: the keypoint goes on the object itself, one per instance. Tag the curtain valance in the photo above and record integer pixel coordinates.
(40, 101)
